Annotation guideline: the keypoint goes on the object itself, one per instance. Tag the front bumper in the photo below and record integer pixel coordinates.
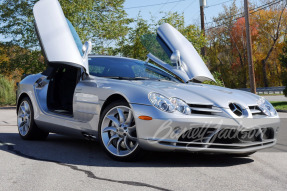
(169, 132)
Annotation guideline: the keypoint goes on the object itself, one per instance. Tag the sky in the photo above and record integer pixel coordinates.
(190, 8)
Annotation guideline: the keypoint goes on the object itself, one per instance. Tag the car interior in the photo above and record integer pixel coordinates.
(62, 83)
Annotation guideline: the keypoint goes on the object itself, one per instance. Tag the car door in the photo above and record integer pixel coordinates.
(86, 104)
(58, 39)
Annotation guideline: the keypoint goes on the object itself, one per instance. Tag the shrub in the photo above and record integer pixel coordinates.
(7, 91)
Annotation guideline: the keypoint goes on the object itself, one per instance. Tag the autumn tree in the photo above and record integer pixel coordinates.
(271, 28)
(223, 55)
(227, 44)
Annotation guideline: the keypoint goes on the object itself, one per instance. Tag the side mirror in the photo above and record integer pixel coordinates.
(87, 48)
(175, 58)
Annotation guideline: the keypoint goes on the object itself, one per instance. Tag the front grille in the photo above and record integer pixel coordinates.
(204, 109)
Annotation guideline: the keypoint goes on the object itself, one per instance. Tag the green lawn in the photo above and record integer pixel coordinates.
(281, 105)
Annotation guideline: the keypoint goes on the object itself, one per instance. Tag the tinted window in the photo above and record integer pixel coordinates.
(126, 68)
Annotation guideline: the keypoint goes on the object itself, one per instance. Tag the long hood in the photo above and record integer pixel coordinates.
(193, 93)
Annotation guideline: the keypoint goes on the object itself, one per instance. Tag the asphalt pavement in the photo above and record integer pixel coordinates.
(65, 163)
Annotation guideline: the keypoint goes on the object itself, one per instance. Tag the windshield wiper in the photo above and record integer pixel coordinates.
(127, 78)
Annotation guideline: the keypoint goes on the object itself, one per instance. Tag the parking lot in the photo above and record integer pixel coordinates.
(68, 163)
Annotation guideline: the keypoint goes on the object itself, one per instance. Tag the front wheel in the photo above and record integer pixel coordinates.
(117, 132)
(27, 128)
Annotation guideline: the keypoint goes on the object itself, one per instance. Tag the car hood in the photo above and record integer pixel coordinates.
(193, 93)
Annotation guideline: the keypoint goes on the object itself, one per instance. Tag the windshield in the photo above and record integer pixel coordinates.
(126, 69)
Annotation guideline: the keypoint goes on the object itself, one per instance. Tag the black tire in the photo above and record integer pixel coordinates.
(33, 133)
(136, 154)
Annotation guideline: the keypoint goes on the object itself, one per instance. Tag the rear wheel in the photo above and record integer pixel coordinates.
(117, 132)
(27, 128)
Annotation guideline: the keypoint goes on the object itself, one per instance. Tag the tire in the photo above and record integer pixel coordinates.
(117, 132)
(27, 127)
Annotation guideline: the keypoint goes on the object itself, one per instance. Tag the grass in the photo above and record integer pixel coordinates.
(7, 91)
(280, 105)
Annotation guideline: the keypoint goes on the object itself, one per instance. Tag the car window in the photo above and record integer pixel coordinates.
(125, 68)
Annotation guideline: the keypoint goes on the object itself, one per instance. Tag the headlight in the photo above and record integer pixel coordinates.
(169, 104)
(266, 107)
(180, 106)
(161, 102)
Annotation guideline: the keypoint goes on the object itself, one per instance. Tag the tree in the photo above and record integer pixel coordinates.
(227, 44)
(191, 32)
(131, 46)
(225, 49)
(283, 61)
(271, 27)
(102, 21)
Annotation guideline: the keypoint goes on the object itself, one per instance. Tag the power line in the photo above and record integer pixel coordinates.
(254, 10)
(188, 6)
(218, 4)
(163, 5)
(269, 4)
(154, 4)
(174, 6)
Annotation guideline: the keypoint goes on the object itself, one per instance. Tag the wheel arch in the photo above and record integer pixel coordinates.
(22, 96)
(112, 98)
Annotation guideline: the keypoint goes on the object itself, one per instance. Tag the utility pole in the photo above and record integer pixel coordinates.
(202, 5)
(249, 49)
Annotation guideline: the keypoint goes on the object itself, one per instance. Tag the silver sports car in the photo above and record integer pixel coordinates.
(131, 105)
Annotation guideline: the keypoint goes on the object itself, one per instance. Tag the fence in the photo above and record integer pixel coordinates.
(267, 90)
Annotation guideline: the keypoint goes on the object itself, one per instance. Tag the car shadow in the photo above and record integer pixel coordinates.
(73, 151)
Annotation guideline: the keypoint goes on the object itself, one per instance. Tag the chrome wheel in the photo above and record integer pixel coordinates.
(118, 131)
(24, 118)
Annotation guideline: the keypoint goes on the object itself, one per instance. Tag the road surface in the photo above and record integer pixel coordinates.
(64, 163)
(276, 98)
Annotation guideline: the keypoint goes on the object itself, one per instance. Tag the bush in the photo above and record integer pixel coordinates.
(7, 91)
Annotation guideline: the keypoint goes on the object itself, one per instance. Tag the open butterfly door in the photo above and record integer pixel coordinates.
(58, 38)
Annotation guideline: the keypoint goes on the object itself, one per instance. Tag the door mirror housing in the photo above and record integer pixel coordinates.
(87, 48)
(175, 59)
